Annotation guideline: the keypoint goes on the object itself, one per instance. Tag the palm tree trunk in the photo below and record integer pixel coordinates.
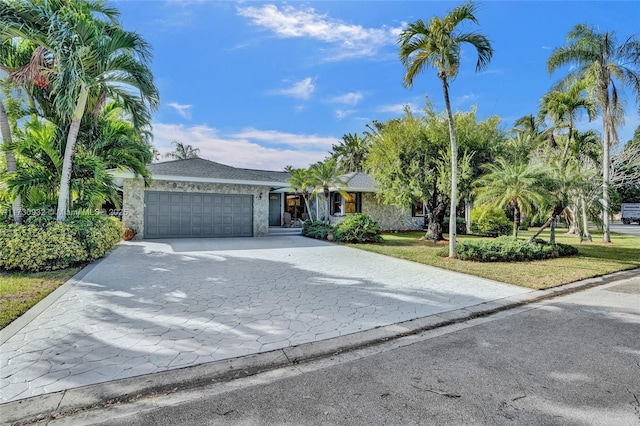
(552, 231)
(516, 220)
(65, 180)
(306, 203)
(454, 170)
(565, 152)
(607, 122)
(327, 195)
(556, 211)
(5, 131)
(586, 235)
(572, 219)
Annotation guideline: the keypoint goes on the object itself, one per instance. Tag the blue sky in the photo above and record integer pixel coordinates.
(269, 84)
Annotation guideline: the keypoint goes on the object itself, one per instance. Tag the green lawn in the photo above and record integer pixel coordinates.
(20, 291)
(593, 260)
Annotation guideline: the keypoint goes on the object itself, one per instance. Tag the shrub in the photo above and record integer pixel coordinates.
(487, 220)
(97, 233)
(39, 248)
(358, 228)
(509, 249)
(316, 229)
(47, 246)
(461, 225)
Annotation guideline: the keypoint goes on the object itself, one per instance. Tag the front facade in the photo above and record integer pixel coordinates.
(200, 198)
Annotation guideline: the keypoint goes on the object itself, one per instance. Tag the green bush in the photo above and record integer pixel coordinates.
(487, 220)
(358, 228)
(47, 246)
(509, 249)
(461, 225)
(316, 229)
(98, 233)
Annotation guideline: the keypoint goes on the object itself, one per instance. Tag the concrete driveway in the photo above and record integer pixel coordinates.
(157, 305)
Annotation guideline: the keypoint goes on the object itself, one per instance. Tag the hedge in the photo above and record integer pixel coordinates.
(509, 249)
(56, 245)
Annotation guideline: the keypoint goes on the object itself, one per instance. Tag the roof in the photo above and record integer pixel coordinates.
(201, 170)
(210, 170)
(360, 181)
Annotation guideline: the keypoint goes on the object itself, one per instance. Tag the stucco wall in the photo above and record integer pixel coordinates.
(390, 218)
(133, 200)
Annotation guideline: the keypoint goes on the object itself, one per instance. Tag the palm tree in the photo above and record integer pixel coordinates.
(301, 181)
(508, 184)
(324, 176)
(351, 153)
(94, 59)
(563, 106)
(111, 137)
(12, 168)
(605, 66)
(438, 45)
(182, 151)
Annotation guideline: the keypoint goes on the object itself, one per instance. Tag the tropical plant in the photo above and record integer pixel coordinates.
(514, 185)
(301, 182)
(438, 45)
(605, 66)
(563, 106)
(326, 175)
(351, 153)
(94, 59)
(358, 228)
(183, 151)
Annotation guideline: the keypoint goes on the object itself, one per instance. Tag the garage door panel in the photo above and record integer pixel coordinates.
(174, 215)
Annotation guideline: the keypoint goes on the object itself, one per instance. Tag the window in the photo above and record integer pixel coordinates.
(419, 209)
(349, 203)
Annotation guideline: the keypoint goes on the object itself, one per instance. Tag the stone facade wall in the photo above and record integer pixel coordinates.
(133, 205)
(390, 218)
(133, 200)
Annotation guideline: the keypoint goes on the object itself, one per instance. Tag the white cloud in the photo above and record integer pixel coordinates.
(351, 41)
(282, 138)
(340, 114)
(351, 98)
(465, 99)
(183, 110)
(301, 90)
(251, 148)
(398, 108)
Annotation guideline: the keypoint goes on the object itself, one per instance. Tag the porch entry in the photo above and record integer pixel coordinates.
(275, 209)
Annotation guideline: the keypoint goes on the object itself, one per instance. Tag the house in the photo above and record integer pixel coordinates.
(201, 198)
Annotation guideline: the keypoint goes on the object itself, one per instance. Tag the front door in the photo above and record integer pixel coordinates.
(274, 210)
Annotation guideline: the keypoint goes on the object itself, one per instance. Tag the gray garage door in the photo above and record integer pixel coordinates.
(184, 215)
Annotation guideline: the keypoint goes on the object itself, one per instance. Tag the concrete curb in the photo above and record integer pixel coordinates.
(64, 403)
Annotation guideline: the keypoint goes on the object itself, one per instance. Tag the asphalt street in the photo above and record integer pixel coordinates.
(632, 228)
(574, 360)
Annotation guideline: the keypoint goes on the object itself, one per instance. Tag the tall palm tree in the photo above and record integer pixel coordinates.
(95, 59)
(324, 176)
(508, 184)
(562, 106)
(438, 45)
(182, 151)
(605, 66)
(351, 153)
